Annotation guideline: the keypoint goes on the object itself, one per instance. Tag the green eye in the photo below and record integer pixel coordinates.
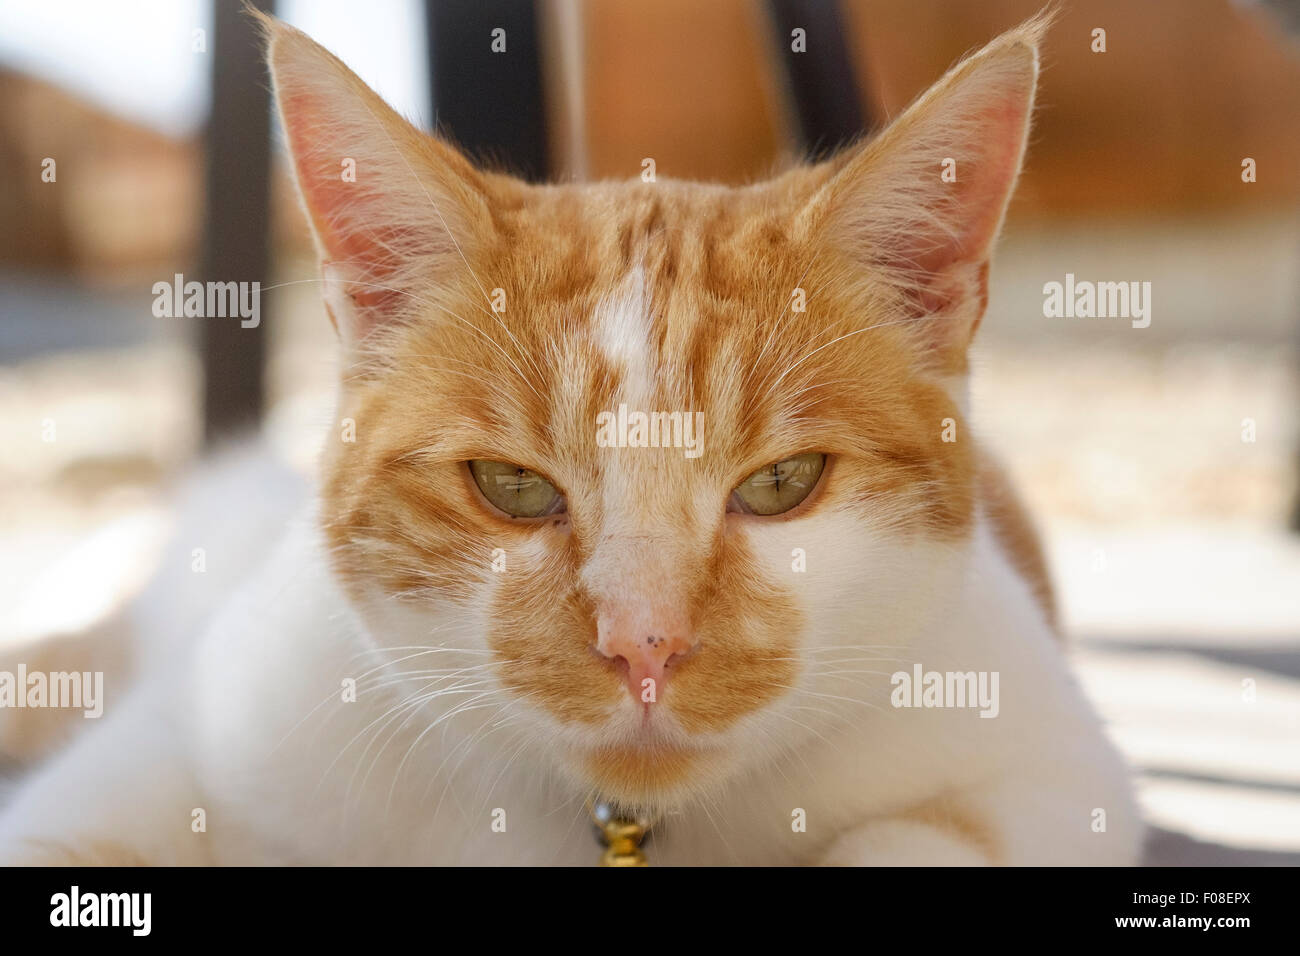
(778, 487)
(519, 492)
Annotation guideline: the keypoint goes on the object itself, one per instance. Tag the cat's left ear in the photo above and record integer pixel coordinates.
(393, 210)
(922, 203)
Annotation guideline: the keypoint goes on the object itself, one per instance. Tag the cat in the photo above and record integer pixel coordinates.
(485, 620)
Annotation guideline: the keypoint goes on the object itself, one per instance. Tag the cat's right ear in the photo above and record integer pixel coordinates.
(919, 206)
(390, 207)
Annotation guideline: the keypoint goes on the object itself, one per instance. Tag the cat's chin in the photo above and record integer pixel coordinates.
(641, 774)
(646, 770)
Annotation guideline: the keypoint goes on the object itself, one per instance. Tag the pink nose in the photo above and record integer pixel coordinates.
(647, 644)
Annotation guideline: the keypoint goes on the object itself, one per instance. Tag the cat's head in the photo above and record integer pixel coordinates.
(793, 354)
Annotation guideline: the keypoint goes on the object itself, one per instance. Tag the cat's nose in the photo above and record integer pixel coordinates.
(648, 644)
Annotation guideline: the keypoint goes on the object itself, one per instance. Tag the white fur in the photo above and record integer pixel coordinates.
(622, 325)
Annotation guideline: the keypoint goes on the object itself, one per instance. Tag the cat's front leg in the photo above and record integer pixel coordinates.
(907, 842)
(1089, 821)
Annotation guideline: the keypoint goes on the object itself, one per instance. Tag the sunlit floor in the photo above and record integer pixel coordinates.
(1208, 707)
(1179, 584)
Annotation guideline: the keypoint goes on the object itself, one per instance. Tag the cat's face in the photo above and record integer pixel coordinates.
(791, 354)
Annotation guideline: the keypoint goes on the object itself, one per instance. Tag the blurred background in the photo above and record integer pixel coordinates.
(1161, 462)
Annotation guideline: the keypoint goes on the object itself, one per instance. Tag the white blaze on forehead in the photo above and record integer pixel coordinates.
(622, 331)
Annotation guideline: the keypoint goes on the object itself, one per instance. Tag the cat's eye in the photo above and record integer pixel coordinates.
(519, 492)
(778, 487)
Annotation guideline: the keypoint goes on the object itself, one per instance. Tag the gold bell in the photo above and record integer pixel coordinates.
(620, 835)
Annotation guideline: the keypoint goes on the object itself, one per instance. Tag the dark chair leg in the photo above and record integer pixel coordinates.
(237, 218)
(490, 103)
(822, 81)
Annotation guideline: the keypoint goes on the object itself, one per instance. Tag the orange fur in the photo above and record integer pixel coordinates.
(1016, 533)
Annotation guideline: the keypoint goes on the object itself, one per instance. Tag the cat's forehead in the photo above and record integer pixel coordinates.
(679, 232)
(658, 295)
(644, 273)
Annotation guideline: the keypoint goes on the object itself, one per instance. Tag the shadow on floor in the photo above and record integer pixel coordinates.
(1281, 660)
(1168, 848)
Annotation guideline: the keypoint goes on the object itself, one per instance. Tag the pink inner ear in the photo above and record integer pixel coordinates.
(335, 207)
(319, 177)
(983, 183)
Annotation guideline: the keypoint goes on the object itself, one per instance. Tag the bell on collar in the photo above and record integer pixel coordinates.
(620, 833)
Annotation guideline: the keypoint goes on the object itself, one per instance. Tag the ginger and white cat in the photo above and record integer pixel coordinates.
(486, 617)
